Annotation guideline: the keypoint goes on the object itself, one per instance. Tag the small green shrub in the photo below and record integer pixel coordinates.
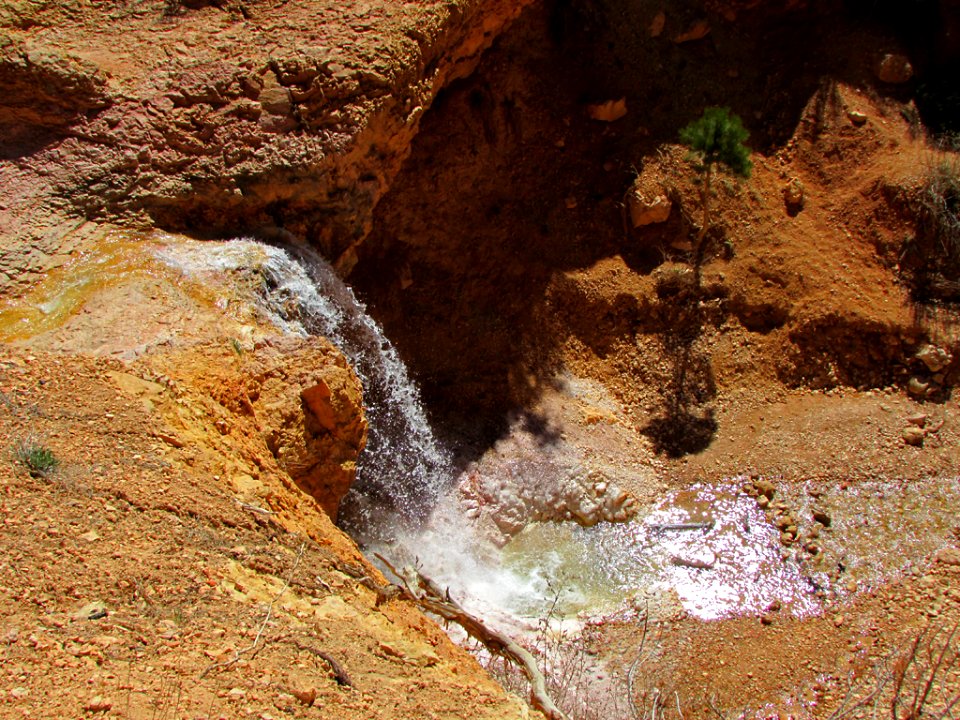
(38, 459)
(716, 141)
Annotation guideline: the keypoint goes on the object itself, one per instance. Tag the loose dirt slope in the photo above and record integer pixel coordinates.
(169, 566)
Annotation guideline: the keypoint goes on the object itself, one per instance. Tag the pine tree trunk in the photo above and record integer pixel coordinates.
(705, 195)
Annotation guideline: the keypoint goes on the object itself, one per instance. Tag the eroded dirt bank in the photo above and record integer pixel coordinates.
(218, 118)
(180, 560)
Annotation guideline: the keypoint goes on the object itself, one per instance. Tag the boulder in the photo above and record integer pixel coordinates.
(935, 358)
(646, 210)
(894, 69)
(310, 410)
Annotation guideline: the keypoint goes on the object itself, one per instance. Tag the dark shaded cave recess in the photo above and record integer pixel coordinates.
(511, 182)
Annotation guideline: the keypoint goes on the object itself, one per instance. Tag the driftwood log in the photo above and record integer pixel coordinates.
(427, 595)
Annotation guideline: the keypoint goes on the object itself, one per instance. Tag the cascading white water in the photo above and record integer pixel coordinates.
(403, 503)
(403, 468)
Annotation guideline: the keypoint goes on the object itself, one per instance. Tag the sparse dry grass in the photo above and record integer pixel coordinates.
(921, 681)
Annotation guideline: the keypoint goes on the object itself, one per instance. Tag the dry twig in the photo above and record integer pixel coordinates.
(253, 647)
(339, 674)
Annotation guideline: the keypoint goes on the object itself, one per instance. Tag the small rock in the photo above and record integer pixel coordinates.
(948, 556)
(648, 210)
(657, 24)
(851, 585)
(793, 197)
(307, 697)
(784, 522)
(98, 704)
(18, 693)
(913, 436)
(766, 619)
(391, 651)
(765, 487)
(608, 111)
(919, 420)
(91, 536)
(774, 606)
(91, 611)
(917, 387)
(894, 69)
(857, 118)
(935, 358)
(697, 31)
(763, 501)
(822, 517)
(838, 620)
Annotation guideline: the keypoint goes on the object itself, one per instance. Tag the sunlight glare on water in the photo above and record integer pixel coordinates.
(733, 566)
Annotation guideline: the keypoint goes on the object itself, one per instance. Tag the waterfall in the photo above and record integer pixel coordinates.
(405, 504)
(403, 468)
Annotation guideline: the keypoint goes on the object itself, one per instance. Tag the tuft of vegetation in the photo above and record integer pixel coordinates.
(931, 258)
(716, 141)
(38, 459)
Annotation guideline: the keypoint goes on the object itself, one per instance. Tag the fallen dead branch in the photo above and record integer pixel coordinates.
(694, 562)
(918, 682)
(427, 595)
(339, 674)
(664, 527)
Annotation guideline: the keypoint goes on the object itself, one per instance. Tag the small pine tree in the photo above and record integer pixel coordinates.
(716, 138)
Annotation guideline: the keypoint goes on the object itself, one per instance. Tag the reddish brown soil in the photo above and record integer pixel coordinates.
(498, 262)
(214, 606)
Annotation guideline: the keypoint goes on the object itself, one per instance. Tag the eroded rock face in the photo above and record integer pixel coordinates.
(309, 409)
(222, 122)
